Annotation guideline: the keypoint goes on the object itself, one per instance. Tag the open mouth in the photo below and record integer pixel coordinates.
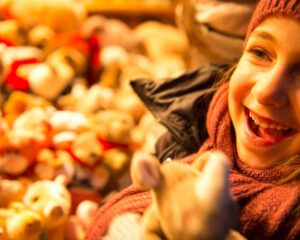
(266, 129)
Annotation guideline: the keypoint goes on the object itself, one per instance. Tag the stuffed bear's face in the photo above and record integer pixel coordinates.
(51, 200)
(90, 153)
(25, 224)
(13, 162)
(114, 126)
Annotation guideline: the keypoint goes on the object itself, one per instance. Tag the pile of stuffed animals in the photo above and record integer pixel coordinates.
(69, 122)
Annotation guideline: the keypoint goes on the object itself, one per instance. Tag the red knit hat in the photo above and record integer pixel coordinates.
(266, 8)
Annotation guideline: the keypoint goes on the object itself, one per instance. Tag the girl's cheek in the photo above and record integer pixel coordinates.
(240, 86)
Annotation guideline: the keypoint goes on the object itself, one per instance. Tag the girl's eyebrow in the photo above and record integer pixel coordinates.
(263, 34)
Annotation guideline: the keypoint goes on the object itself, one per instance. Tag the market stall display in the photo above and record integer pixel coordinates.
(67, 111)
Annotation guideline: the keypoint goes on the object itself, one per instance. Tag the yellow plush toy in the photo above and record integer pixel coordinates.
(50, 78)
(18, 102)
(113, 126)
(22, 141)
(16, 154)
(52, 201)
(19, 223)
(53, 162)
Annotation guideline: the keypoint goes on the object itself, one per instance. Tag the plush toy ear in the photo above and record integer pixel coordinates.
(213, 185)
(201, 160)
(145, 170)
(61, 179)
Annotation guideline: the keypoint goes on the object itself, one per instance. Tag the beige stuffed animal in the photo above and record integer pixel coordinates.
(19, 223)
(21, 142)
(50, 78)
(52, 201)
(187, 204)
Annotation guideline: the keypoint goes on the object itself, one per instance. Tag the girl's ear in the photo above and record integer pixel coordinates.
(145, 170)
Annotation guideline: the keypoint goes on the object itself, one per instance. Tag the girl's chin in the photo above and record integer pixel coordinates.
(253, 161)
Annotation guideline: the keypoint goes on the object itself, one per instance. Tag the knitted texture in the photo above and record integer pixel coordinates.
(267, 210)
(266, 8)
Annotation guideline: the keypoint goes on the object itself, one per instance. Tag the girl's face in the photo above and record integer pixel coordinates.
(264, 94)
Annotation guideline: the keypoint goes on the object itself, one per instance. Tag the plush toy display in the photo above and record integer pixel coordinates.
(205, 211)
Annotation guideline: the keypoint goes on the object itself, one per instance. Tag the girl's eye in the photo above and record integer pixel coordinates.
(260, 54)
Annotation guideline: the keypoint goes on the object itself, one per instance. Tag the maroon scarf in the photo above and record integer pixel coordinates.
(267, 210)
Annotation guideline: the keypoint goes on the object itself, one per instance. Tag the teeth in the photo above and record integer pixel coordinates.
(266, 125)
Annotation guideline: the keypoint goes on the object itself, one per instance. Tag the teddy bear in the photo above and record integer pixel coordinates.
(113, 127)
(109, 31)
(88, 158)
(51, 162)
(18, 223)
(21, 142)
(85, 99)
(12, 190)
(189, 202)
(66, 125)
(12, 59)
(19, 102)
(11, 32)
(49, 78)
(51, 200)
(145, 138)
(68, 121)
(168, 57)
(33, 124)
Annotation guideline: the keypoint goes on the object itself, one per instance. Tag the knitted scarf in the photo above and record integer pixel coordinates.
(267, 210)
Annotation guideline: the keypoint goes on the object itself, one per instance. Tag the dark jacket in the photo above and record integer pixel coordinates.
(180, 104)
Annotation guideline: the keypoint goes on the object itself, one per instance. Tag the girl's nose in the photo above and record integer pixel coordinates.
(271, 88)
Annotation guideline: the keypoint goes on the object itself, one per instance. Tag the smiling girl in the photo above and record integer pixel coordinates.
(254, 118)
